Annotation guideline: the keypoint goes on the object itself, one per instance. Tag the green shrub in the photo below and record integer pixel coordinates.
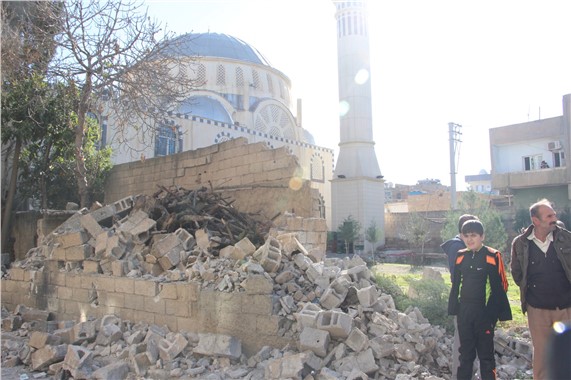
(431, 297)
(389, 285)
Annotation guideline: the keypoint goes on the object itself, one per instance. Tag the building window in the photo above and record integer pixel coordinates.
(270, 84)
(317, 168)
(168, 137)
(201, 75)
(558, 159)
(532, 162)
(239, 77)
(256, 80)
(220, 75)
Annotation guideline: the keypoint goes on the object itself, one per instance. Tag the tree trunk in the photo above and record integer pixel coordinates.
(80, 170)
(6, 218)
(43, 176)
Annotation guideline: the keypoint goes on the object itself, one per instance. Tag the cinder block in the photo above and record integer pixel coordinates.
(90, 266)
(47, 355)
(170, 259)
(78, 252)
(367, 296)
(335, 294)
(119, 268)
(269, 255)
(307, 317)
(39, 339)
(314, 340)
(357, 340)
(170, 350)
(338, 324)
(185, 238)
(78, 361)
(90, 225)
(70, 239)
(257, 284)
(219, 345)
(246, 246)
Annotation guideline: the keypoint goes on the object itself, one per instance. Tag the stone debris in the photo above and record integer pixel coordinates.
(342, 324)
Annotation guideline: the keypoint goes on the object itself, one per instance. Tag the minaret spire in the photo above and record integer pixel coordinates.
(357, 185)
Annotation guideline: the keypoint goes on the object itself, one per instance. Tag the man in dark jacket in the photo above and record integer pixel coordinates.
(478, 298)
(451, 248)
(541, 267)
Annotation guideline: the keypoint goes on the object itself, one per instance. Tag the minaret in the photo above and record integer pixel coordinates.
(357, 188)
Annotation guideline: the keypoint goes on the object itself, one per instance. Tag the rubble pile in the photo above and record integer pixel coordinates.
(342, 325)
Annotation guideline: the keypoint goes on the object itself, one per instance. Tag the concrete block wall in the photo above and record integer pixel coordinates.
(255, 176)
(182, 306)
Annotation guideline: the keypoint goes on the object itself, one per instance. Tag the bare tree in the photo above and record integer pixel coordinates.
(28, 30)
(111, 50)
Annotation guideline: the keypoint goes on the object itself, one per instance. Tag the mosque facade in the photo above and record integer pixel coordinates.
(241, 95)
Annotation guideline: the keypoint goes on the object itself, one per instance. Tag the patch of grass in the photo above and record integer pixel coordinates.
(392, 276)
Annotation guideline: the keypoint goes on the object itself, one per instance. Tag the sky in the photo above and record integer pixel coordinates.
(479, 64)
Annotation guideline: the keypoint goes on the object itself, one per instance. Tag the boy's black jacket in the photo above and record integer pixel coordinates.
(497, 306)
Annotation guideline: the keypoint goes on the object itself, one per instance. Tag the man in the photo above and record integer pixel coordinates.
(451, 248)
(541, 267)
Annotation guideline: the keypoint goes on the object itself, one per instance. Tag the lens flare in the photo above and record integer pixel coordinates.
(295, 183)
(362, 76)
(343, 108)
(559, 327)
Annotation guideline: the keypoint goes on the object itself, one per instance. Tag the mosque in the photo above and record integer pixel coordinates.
(243, 95)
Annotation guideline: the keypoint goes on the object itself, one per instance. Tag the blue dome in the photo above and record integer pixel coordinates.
(205, 107)
(215, 45)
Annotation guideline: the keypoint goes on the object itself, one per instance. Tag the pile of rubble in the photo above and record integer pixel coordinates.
(343, 325)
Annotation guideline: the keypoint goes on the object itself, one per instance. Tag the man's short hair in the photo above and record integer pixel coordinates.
(473, 226)
(534, 208)
(463, 219)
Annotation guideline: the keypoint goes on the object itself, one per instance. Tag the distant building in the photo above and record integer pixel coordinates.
(529, 160)
(481, 183)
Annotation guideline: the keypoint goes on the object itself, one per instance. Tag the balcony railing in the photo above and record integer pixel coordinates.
(531, 178)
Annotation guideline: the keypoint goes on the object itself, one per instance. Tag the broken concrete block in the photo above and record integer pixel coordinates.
(246, 246)
(78, 252)
(71, 239)
(219, 345)
(140, 363)
(328, 374)
(84, 331)
(367, 296)
(338, 324)
(287, 367)
(170, 350)
(170, 259)
(78, 361)
(108, 334)
(117, 370)
(152, 341)
(42, 358)
(257, 284)
(168, 243)
(115, 248)
(335, 294)
(29, 315)
(314, 340)
(358, 272)
(101, 243)
(269, 255)
(186, 239)
(303, 262)
(11, 323)
(381, 348)
(39, 339)
(307, 317)
(89, 224)
(313, 271)
(137, 227)
(357, 340)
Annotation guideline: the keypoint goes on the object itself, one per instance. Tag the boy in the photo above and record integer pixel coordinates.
(478, 298)
(451, 248)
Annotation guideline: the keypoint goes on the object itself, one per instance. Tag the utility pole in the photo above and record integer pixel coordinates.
(454, 141)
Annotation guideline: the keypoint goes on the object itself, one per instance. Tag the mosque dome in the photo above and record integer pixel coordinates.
(207, 107)
(215, 45)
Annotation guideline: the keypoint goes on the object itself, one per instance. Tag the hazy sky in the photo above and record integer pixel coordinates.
(480, 64)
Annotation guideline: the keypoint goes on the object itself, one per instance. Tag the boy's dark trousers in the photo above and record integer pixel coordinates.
(476, 336)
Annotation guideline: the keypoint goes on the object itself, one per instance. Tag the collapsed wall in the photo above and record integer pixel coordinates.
(258, 178)
(145, 286)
